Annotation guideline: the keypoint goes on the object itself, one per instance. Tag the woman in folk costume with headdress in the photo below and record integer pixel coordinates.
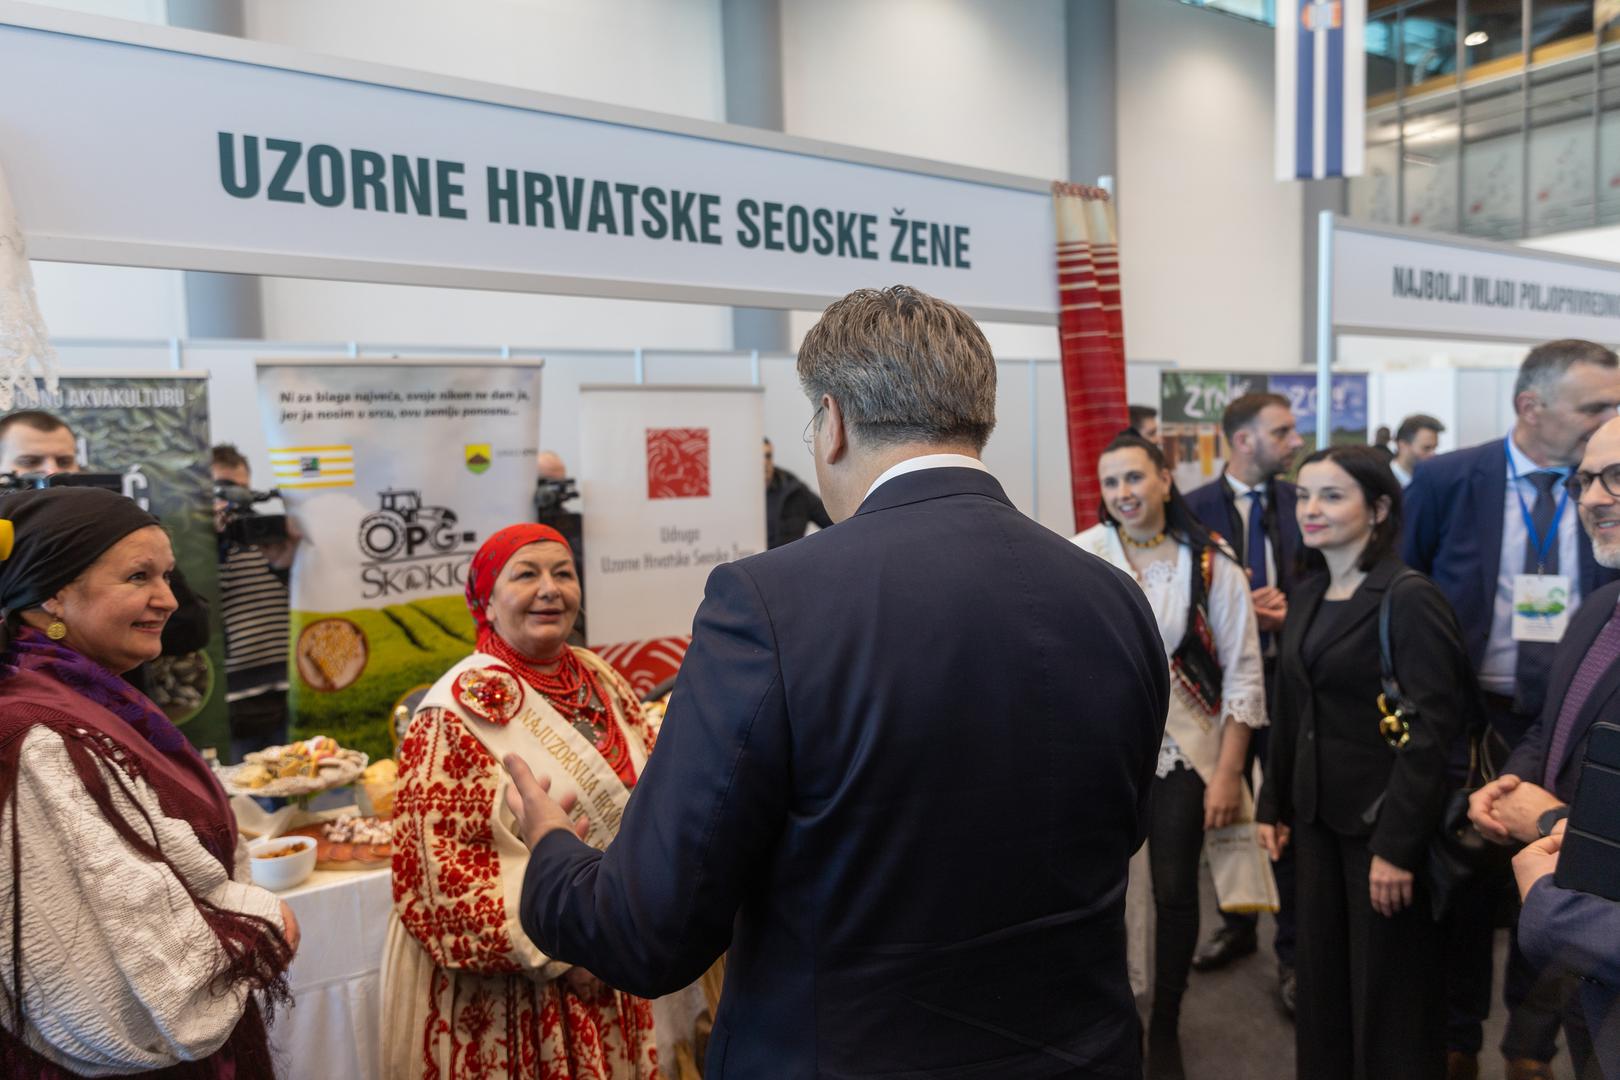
(130, 939)
(466, 993)
(1200, 597)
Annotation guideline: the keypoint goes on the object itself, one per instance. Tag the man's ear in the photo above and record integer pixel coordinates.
(835, 436)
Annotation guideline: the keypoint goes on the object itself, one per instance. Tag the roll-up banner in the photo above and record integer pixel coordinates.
(1191, 404)
(394, 474)
(153, 429)
(672, 485)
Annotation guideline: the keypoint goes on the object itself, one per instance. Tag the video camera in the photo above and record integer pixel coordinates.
(11, 483)
(549, 496)
(244, 526)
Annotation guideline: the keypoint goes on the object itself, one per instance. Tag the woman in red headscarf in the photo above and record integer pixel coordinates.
(465, 992)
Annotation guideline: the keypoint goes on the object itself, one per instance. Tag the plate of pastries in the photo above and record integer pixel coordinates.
(305, 767)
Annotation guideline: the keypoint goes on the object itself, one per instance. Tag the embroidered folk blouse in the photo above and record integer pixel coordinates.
(107, 996)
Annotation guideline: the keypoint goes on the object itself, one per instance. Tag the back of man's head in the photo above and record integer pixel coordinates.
(904, 367)
(1243, 411)
(1547, 363)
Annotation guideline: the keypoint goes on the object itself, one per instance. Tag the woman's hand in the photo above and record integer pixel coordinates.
(289, 926)
(1273, 838)
(1389, 886)
(1222, 797)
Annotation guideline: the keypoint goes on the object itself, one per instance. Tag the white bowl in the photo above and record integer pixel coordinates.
(285, 871)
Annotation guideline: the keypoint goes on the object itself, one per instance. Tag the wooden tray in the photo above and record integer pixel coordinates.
(338, 856)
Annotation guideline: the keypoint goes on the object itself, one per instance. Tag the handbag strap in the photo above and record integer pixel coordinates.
(1386, 651)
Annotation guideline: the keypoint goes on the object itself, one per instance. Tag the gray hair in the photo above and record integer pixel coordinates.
(1548, 362)
(904, 367)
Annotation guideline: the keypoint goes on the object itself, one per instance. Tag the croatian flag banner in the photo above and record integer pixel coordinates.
(1321, 88)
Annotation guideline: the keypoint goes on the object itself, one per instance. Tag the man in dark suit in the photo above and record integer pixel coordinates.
(1538, 781)
(1579, 932)
(905, 764)
(1489, 525)
(1252, 507)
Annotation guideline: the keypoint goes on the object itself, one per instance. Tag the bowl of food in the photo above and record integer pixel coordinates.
(282, 862)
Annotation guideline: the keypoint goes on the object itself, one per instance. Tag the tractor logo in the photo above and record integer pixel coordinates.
(478, 455)
(403, 528)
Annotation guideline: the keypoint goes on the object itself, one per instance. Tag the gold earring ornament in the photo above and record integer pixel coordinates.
(57, 630)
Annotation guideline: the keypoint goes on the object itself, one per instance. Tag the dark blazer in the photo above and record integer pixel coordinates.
(1529, 758)
(1217, 508)
(904, 768)
(1580, 932)
(1329, 764)
(1453, 510)
(790, 507)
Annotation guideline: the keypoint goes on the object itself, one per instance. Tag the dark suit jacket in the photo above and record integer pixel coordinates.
(1453, 512)
(1216, 507)
(1580, 932)
(1329, 764)
(1529, 758)
(905, 766)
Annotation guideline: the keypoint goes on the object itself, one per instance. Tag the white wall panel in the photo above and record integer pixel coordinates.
(1210, 244)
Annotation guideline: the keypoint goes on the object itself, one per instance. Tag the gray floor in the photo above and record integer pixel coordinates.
(1233, 1029)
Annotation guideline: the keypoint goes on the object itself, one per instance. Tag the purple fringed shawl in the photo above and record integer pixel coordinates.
(100, 716)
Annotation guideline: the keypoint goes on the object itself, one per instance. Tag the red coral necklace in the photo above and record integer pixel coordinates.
(574, 691)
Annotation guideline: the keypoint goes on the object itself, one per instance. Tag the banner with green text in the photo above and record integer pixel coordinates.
(179, 149)
(394, 475)
(154, 430)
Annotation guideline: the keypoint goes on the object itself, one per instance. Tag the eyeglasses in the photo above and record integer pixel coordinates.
(1579, 482)
(810, 428)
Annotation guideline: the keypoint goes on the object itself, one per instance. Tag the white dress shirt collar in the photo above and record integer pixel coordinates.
(925, 461)
(1241, 490)
(1519, 462)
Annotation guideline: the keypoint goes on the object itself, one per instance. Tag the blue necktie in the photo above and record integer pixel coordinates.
(1534, 664)
(1255, 549)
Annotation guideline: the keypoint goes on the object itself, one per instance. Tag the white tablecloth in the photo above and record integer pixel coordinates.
(332, 1028)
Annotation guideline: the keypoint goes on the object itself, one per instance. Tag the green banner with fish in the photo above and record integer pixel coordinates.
(153, 431)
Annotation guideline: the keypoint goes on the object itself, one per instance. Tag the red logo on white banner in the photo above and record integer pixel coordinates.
(677, 463)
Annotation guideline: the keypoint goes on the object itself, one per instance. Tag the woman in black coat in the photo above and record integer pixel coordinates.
(1359, 810)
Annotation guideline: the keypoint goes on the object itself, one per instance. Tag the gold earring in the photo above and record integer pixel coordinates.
(57, 630)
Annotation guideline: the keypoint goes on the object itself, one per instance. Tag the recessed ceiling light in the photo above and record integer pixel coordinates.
(1478, 37)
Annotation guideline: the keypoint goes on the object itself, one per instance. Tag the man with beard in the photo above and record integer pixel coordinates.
(1491, 525)
(1252, 507)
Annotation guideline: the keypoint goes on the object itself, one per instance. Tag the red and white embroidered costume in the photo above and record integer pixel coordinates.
(465, 992)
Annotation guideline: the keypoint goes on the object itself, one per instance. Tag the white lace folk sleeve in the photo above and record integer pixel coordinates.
(1237, 644)
(117, 962)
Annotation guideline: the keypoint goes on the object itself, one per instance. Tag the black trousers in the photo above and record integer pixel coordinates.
(1175, 846)
(1371, 1002)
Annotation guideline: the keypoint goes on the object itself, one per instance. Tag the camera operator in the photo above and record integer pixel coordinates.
(36, 443)
(254, 596)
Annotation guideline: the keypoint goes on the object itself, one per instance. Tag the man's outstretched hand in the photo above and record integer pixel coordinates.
(536, 811)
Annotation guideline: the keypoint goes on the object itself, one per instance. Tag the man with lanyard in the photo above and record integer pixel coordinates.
(1492, 526)
(1252, 508)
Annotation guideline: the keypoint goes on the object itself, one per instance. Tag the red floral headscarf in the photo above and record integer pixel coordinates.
(492, 559)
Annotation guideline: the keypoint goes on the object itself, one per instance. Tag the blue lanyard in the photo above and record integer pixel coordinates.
(1542, 544)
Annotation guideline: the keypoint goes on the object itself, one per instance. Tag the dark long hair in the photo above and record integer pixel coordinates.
(1370, 470)
(1179, 520)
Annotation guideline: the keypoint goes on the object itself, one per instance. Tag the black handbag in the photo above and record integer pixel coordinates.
(1456, 851)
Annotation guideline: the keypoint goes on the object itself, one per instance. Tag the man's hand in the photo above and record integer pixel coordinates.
(1520, 809)
(536, 811)
(1389, 887)
(1270, 607)
(289, 926)
(1273, 838)
(1538, 860)
(1482, 802)
(1222, 798)
(281, 553)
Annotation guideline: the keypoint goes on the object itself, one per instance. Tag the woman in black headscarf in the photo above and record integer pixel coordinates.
(129, 940)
